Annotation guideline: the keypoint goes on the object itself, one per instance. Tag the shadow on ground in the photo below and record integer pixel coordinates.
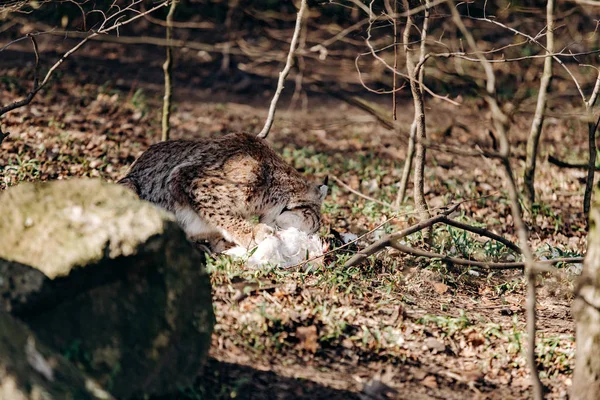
(223, 380)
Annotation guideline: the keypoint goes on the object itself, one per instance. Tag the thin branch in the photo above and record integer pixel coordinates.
(481, 264)
(482, 232)
(416, 89)
(386, 240)
(284, 73)
(36, 86)
(66, 55)
(535, 133)
(32, 92)
(534, 40)
(168, 74)
(500, 121)
(364, 196)
(564, 164)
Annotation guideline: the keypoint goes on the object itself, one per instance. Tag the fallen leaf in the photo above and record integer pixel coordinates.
(440, 287)
(308, 338)
(430, 382)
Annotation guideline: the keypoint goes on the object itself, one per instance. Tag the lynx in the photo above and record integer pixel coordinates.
(216, 186)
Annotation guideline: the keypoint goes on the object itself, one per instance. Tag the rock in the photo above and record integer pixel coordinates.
(29, 368)
(108, 279)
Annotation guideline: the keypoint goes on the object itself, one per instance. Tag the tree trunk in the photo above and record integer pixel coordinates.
(586, 309)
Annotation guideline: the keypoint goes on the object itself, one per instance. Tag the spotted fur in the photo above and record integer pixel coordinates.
(215, 186)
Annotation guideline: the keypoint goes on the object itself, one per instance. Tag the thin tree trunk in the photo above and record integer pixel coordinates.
(589, 105)
(589, 185)
(168, 72)
(284, 73)
(410, 153)
(394, 77)
(419, 121)
(538, 118)
(586, 309)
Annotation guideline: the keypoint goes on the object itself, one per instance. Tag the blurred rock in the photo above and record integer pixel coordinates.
(30, 370)
(107, 279)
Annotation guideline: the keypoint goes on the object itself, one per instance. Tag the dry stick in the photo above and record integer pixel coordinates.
(538, 118)
(168, 73)
(500, 121)
(284, 73)
(53, 68)
(481, 264)
(440, 218)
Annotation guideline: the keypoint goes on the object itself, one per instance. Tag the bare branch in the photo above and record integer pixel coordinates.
(364, 196)
(385, 241)
(538, 119)
(168, 74)
(501, 121)
(284, 73)
(54, 67)
(36, 85)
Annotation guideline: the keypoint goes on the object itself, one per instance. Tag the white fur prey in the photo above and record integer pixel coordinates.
(285, 248)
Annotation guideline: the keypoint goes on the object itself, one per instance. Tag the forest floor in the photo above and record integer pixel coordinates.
(394, 327)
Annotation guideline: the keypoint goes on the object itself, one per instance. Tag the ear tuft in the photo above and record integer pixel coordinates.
(326, 180)
(323, 190)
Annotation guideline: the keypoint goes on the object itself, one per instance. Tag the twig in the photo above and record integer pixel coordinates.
(385, 241)
(168, 74)
(481, 264)
(32, 92)
(36, 86)
(364, 196)
(365, 106)
(395, 76)
(482, 232)
(284, 73)
(101, 31)
(564, 164)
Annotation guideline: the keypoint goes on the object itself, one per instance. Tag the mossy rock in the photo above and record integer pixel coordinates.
(109, 280)
(31, 370)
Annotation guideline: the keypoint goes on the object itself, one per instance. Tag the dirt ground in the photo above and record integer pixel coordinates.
(395, 326)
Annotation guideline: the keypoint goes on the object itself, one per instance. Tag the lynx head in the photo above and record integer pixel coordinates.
(303, 211)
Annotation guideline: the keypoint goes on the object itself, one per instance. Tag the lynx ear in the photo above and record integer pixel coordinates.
(325, 180)
(323, 191)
